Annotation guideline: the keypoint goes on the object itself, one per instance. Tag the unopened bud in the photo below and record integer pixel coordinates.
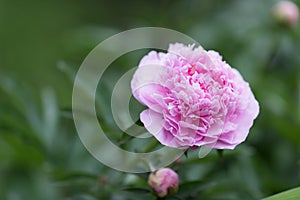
(286, 12)
(164, 182)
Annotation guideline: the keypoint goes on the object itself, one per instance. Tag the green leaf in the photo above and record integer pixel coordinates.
(292, 194)
(50, 116)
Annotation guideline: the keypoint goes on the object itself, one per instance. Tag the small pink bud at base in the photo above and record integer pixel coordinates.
(286, 12)
(103, 180)
(164, 182)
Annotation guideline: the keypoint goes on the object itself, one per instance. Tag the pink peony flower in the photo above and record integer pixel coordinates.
(164, 182)
(286, 12)
(194, 98)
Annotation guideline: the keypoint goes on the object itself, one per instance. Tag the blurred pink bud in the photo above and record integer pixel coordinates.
(103, 180)
(286, 12)
(164, 182)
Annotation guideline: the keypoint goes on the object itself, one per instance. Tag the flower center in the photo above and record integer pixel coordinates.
(191, 70)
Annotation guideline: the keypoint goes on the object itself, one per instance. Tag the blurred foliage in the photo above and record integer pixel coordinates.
(43, 44)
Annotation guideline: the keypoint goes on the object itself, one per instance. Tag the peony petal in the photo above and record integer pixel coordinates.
(244, 122)
(154, 122)
(151, 95)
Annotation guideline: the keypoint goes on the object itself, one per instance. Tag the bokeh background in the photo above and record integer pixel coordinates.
(42, 46)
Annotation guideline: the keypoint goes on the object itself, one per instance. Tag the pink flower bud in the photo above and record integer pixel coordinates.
(103, 180)
(164, 182)
(286, 12)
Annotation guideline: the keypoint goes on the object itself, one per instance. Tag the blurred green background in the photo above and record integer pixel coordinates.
(42, 46)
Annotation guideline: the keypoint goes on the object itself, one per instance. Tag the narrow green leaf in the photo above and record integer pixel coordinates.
(50, 116)
(292, 194)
